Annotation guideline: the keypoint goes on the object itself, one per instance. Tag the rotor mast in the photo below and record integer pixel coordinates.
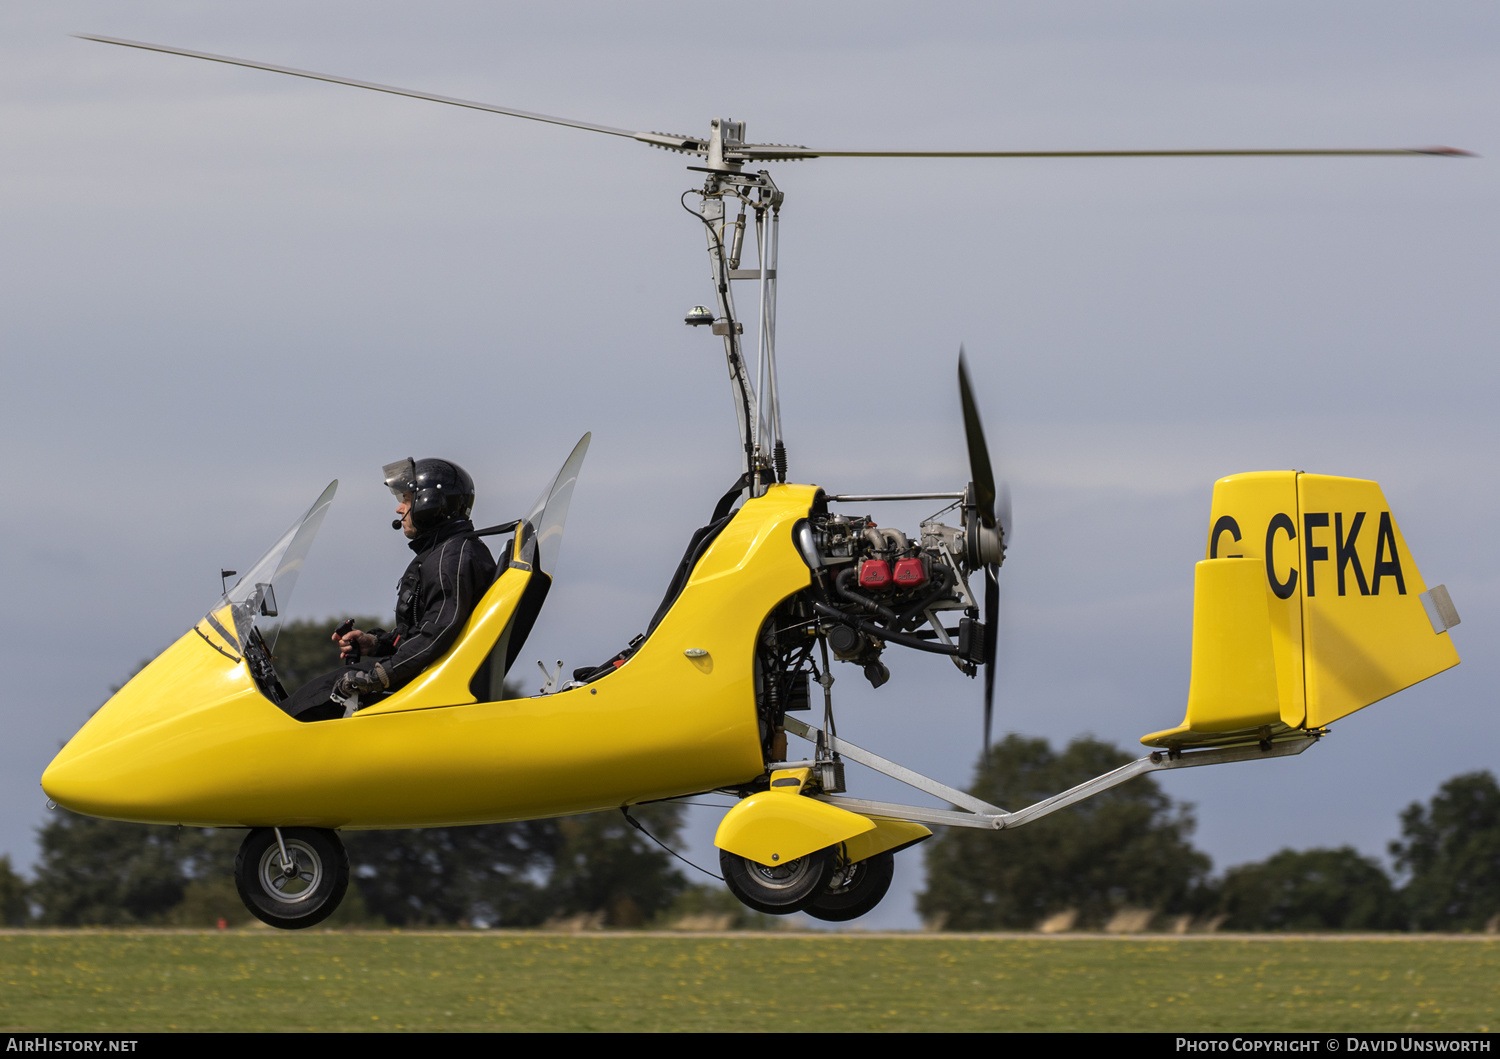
(756, 402)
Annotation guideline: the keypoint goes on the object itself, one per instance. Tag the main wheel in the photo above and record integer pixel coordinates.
(779, 890)
(853, 889)
(296, 894)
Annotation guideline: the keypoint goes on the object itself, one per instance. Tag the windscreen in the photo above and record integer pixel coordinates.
(550, 512)
(264, 590)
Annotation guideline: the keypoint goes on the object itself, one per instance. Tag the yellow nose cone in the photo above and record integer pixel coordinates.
(141, 756)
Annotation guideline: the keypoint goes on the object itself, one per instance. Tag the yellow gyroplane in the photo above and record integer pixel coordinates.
(1308, 606)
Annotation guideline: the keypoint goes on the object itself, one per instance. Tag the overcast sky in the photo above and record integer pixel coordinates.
(220, 288)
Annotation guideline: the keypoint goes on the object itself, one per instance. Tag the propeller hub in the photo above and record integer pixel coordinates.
(991, 545)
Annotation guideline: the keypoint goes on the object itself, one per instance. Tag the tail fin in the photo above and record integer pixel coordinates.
(1308, 607)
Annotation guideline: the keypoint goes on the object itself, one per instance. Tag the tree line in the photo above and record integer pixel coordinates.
(1127, 850)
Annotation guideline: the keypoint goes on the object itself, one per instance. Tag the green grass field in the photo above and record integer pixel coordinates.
(386, 981)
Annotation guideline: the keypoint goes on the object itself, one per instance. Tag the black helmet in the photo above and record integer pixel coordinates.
(440, 490)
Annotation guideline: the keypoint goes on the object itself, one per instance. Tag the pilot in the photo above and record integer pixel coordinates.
(435, 596)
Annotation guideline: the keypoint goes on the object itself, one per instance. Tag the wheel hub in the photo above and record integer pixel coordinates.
(781, 875)
(294, 881)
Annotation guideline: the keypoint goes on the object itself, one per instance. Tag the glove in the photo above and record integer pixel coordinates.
(361, 681)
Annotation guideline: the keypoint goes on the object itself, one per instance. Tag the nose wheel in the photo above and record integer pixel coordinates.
(291, 877)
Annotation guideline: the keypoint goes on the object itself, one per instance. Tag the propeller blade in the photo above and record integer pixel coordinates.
(985, 496)
(991, 647)
(980, 470)
(1002, 514)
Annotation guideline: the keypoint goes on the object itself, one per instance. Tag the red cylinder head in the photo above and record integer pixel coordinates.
(874, 574)
(910, 572)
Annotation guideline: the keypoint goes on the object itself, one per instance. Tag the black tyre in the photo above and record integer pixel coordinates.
(779, 890)
(296, 898)
(853, 889)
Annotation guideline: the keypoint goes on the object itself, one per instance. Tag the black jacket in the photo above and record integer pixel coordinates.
(434, 599)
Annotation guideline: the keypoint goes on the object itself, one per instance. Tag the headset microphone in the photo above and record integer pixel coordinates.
(395, 523)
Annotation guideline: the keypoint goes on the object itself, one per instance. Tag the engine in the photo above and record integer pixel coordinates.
(873, 587)
(879, 586)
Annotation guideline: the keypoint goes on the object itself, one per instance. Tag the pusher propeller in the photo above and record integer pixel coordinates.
(986, 533)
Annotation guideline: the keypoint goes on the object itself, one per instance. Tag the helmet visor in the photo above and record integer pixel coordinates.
(401, 476)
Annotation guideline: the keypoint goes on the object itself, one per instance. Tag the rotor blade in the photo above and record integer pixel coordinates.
(739, 152)
(776, 152)
(980, 471)
(991, 647)
(679, 143)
